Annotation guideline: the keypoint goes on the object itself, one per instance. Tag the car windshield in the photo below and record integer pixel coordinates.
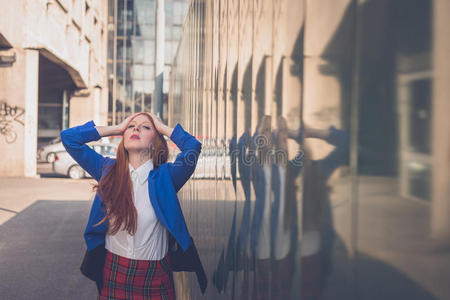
(55, 140)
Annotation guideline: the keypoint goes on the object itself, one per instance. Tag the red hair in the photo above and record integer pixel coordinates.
(116, 189)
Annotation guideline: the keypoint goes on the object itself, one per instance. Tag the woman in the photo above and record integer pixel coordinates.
(261, 177)
(284, 218)
(136, 233)
(318, 233)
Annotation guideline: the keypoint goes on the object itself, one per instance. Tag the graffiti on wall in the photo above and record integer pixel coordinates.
(9, 115)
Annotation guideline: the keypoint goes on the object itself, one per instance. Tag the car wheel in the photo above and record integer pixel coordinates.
(76, 172)
(50, 157)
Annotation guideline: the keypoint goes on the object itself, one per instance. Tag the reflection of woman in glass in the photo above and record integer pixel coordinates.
(317, 224)
(260, 233)
(284, 214)
(242, 253)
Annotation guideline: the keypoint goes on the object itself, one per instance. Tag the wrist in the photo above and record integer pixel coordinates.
(104, 131)
(116, 130)
(166, 130)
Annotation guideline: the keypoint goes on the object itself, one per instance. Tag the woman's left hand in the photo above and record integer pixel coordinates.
(160, 126)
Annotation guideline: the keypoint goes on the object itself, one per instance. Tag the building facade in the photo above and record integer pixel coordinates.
(52, 74)
(325, 166)
(131, 53)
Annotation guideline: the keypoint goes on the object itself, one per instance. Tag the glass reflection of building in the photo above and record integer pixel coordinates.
(131, 53)
(325, 170)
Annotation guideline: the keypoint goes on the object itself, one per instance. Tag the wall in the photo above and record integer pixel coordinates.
(71, 36)
(324, 166)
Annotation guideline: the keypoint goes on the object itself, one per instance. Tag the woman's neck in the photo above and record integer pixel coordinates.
(137, 159)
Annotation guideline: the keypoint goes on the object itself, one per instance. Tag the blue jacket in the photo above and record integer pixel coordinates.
(163, 184)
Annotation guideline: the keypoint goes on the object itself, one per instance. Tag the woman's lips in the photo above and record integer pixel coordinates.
(135, 137)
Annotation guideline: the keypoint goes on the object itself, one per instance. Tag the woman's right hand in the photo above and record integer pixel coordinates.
(123, 125)
(118, 129)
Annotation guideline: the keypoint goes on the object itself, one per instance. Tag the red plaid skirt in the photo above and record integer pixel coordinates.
(125, 278)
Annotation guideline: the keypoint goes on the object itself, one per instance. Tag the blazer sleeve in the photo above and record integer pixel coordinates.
(74, 140)
(184, 165)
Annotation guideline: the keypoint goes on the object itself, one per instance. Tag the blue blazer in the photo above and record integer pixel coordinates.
(163, 184)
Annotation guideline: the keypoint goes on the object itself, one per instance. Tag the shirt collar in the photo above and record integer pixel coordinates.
(142, 171)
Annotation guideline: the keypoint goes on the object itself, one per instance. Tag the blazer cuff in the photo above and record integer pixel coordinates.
(178, 134)
(88, 132)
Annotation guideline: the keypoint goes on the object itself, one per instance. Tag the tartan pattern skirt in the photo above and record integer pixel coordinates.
(125, 278)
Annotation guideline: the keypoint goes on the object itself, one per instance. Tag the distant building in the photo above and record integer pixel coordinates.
(52, 74)
(131, 53)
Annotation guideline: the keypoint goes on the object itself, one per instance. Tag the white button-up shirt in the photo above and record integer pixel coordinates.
(151, 239)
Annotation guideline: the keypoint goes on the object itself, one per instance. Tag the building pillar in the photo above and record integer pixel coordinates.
(31, 108)
(97, 100)
(440, 205)
(65, 110)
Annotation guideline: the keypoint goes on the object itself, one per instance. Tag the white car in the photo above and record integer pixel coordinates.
(47, 153)
(64, 163)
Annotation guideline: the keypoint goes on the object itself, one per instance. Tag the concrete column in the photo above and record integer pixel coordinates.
(97, 93)
(440, 205)
(104, 105)
(31, 108)
(65, 110)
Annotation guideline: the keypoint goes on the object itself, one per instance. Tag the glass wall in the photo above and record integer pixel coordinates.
(325, 170)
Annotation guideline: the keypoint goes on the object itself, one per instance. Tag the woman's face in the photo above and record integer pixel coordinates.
(139, 134)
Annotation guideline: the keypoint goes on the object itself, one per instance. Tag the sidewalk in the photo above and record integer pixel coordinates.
(19, 193)
(41, 238)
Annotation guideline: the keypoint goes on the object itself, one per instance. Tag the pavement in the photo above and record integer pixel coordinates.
(42, 221)
(41, 241)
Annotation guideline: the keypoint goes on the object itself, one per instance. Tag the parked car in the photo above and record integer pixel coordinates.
(47, 153)
(64, 163)
(115, 139)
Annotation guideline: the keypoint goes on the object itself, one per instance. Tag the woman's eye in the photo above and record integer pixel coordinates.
(130, 126)
(146, 127)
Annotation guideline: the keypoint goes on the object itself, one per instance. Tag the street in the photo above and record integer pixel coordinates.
(41, 237)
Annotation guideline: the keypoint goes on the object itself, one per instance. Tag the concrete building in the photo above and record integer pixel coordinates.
(52, 74)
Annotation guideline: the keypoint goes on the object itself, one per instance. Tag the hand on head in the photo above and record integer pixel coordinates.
(158, 122)
(124, 124)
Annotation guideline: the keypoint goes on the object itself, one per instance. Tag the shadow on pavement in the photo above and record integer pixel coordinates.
(52, 175)
(41, 250)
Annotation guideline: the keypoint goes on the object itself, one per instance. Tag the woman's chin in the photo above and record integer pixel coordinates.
(135, 148)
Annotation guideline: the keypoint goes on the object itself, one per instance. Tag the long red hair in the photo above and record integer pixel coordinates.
(116, 188)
